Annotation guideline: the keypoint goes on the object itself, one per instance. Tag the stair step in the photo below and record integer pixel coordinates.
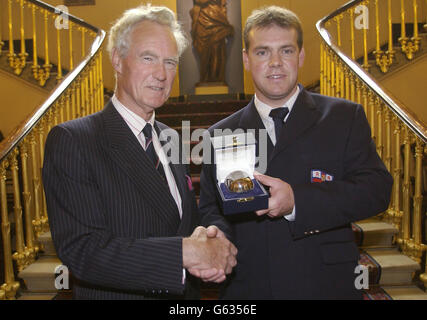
(372, 233)
(39, 277)
(406, 293)
(47, 243)
(394, 267)
(37, 296)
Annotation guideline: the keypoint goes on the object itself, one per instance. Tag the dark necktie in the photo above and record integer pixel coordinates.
(278, 115)
(151, 153)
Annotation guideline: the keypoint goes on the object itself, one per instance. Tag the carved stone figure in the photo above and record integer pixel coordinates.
(209, 31)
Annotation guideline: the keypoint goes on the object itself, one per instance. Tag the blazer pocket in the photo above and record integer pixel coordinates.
(339, 252)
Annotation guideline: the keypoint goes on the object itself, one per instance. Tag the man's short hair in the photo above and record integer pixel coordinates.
(119, 35)
(273, 15)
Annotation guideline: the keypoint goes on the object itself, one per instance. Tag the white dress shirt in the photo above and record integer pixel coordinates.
(136, 124)
(264, 112)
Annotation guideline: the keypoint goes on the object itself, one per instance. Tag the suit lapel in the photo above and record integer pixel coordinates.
(304, 115)
(124, 148)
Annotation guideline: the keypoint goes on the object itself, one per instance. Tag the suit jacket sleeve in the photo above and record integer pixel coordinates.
(83, 240)
(363, 191)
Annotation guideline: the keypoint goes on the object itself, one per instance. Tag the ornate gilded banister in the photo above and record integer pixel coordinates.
(400, 136)
(79, 92)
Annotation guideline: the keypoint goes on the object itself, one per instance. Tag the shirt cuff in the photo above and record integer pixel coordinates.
(291, 216)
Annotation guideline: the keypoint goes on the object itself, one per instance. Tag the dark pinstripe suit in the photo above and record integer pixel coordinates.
(113, 220)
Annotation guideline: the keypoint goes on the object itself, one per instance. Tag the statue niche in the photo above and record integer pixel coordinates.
(209, 30)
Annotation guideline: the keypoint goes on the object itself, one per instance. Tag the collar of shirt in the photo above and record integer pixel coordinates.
(134, 121)
(264, 112)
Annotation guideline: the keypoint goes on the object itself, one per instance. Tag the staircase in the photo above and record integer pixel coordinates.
(390, 272)
(392, 275)
(27, 73)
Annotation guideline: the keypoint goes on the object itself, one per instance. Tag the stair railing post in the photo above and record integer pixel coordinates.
(10, 287)
(384, 60)
(423, 276)
(101, 80)
(22, 256)
(17, 63)
(322, 80)
(409, 46)
(36, 184)
(40, 74)
(59, 64)
(365, 64)
(419, 247)
(1, 29)
(380, 113)
(70, 44)
(31, 244)
(405, 238)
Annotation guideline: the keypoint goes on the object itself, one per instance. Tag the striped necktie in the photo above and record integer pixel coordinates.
(150, 151)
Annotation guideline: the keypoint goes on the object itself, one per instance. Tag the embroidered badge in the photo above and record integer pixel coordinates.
(320, 176)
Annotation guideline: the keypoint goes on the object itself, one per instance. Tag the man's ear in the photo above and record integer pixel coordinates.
(116, 61)
(245, 60)
(301, 57)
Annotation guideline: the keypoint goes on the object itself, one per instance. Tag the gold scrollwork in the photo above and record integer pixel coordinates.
(41, 74)
(10, 290)
(384, 59)
(18, 63)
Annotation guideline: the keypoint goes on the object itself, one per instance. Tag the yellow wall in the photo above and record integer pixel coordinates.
(18, 99)
(409, 86)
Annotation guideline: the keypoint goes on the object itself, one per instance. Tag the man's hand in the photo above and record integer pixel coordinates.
(207, 254)
(281, 201)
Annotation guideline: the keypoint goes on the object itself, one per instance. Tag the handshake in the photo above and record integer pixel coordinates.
(207, 254)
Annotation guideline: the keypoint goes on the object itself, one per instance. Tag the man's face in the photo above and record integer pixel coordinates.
(273, 59)
(146, 73)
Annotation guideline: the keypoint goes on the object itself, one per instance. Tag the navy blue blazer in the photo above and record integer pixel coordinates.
(113, 220)
(315, 256)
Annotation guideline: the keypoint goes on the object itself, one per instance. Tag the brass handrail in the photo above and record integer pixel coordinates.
(79, 93)
(406, 115)
(13, 139)
(404, 148)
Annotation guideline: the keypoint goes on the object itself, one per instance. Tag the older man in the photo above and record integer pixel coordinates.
(121, 216)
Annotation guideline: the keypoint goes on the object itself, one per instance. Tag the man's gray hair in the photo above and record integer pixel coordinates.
(119, 35)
